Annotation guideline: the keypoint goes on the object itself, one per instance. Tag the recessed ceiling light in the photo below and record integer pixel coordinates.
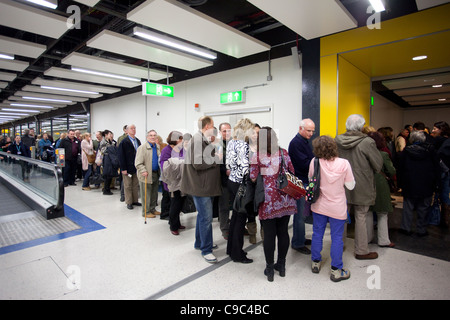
(48, 99)
(167, 41)
(20, 110)
(417, 58)
(70, 90)
(6, 56)
(377, 5)
(31, 105)
(104, 74)
(52, 4)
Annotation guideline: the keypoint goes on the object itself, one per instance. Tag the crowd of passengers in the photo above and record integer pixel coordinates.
(360, 169)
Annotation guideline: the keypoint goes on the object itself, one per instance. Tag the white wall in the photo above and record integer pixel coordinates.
(387, 114)
(283, 94)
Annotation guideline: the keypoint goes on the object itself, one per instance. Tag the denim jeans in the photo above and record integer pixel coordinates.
(298, 236)
(87, 176)
(337, 243)
(203, 227)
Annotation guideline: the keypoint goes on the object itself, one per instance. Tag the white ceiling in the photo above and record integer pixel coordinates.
(173, 17)
(24, 17)
(115, 50)
(310, 19)
(131, 47)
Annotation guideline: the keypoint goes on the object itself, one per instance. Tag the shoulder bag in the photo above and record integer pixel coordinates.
(313, 187)
(289, 183)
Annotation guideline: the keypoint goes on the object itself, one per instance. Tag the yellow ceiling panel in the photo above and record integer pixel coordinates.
(396, 57)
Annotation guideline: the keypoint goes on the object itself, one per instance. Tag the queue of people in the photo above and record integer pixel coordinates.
(359, 170)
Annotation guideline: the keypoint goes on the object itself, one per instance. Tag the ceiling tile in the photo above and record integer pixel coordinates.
(38, 89)
(309, 19)
(73, 75)
(15, 65)
(147, 51)
(74, 85)
(20, 47)
(23, 17)
(173, 17)
(107, 65)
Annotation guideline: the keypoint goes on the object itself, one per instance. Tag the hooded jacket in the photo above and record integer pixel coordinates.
(418, 171)
(334, 174)
(365, 159)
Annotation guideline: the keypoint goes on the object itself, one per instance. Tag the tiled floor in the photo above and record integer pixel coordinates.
(123, 258)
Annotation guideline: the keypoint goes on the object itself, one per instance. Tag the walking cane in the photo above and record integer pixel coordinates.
(145, 200)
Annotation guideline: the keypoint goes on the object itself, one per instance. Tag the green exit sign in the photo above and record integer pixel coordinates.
(156, 89)
(232, 97)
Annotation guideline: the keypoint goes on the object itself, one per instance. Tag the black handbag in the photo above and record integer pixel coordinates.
(245, 195)
(313, 187)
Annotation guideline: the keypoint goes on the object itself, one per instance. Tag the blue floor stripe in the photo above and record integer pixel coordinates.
(86, 224)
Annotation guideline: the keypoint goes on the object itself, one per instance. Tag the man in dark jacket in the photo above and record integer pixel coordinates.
(300, 152)
(19, 148)
(71, 147)
(418, 176)
(127, 155)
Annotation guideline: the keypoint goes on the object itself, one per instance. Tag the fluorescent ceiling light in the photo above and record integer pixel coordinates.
(6, 56)
(70, 90)
(52, 4)
(104, 74)
(442, 99)
(20, 110)
(377, 5)
(30, 105)
(14, 114)
(47, 99)
(437, 86)
(167, 41)
(10, 117)
(417, 58)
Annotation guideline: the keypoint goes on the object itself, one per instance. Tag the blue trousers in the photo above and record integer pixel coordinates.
(337, 243)
(203, 227)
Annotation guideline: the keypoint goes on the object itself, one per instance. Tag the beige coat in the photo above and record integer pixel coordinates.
(143, 161)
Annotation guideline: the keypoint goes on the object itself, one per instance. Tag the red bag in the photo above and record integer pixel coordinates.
(289, 183)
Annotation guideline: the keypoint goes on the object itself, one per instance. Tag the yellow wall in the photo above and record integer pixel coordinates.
(328, 96)
(344, 88)
(353, 94)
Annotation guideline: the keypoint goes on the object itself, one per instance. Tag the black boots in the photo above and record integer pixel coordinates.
(269, 272)
(280, 266)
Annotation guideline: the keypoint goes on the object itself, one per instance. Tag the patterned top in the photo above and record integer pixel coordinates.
(237, 160)
(276, 204)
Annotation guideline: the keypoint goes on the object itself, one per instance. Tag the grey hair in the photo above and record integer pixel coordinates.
(417, 136)
(355, 122)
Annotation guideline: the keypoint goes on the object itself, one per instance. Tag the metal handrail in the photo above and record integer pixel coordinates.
(59, 206)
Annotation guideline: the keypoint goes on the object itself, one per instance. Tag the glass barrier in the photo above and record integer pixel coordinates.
(41, 178)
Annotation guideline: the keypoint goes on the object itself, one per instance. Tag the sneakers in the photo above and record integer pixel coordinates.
(210, 258)
(339, 274)
(315, 266)
(336, 275)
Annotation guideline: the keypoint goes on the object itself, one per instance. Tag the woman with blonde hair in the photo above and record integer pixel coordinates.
(87, 148)
(237, 161)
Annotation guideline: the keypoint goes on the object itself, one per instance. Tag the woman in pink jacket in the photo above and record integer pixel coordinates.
(331, 206)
